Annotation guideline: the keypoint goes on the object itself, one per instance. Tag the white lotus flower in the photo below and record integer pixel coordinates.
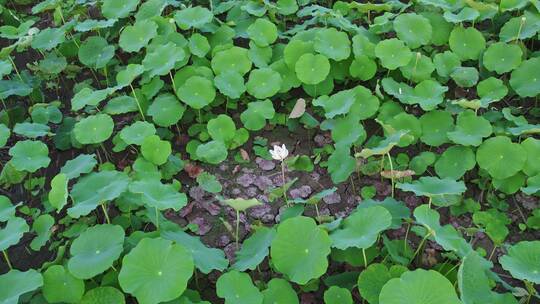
(279, 153)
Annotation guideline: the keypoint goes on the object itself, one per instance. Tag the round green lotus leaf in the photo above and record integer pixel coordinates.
(103, 295)
(501, 57)
(88, 96)
(255, 116)
(300, 249)
(525, 80)
(405, 122)
(470, 129)
(162, 59)
(467, 43)
(235, 59)
(261, 56)
(31, 130)
(12, 232)
(156, 271)
(263, 83)
(60, 286)
(237, 288)
(295, 49)
(82, 164)
(465, 77)
(156, 150)
(431, 186)
(7, 210)
(221, 128)
(332, 43)
(166, 110)
(532, 147)
(52, 64)
(523, 261)
(157, 195)
(467, 14)
(363, 68)
(520, 27)
(198, 45)
(312, 69)
(361, 229)
(455, 161)
(95, 52)
(195, 16)
(48, 39)
(137, 132)
(419, 68)
(95, 250)
(440, 35)
(263, 32)
(42, 227)
(366, 104)
(94, 189)
(29, 155)
(5, 132)
(393, 53)
(93, 129)
(213, 152)
(446, 63)
(197, 92)
(510, 185)
(374, 277)
(500, 157)
(415, 30)
(419, 286)
(279, 291)
(126, 76)
(490, 90)
(337, 295)
(16, 283)
(230, 84)
(435, 125)
(113, 9)
(135, 37)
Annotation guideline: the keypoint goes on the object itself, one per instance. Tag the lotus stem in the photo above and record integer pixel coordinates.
(521, 24)
(391, 172)
(172, 82)
(364, 256)
(137, 101)
(421, 245)
(492, 253)
(429, 202)
(284, 182)
(317, 212)
(6, 257)
(105, 212)
(237, 227)
(15, 68)
(406, 237)
(157, 218)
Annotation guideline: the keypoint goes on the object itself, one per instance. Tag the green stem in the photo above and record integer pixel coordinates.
(172, 82)
(6, 257)
(237, 227)
(284, 182)
(15, 67)
(391, 172)
(317, 212)
(157, 218)
(429, 203)
(492, 253)
(365, 258)
(420, 246)
(406, 237)
(105, 212)
(137, 101)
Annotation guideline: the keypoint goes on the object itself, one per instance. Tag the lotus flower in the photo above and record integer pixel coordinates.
(279, 153)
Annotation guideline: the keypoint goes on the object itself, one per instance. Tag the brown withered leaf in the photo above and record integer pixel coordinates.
(396, 174)
(193, 170)
(299, 108)
(244, 154)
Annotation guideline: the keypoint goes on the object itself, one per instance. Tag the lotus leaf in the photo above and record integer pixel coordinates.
(523, 261)
(525, 80)
(28, 155)
(93, 129)
(257, 112)
(332, 43)
(279, 291)
(415, 30)
(263, 83)
(237, 287)
(196, 17)
(156, 270)
(312, 69)
(296, 239)
(197, 92)
(135, 37)
(263, 32)
(467, 43)
(16, 283)
(393, 53)
(60, 286)
(361, 229)
(500, 157)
